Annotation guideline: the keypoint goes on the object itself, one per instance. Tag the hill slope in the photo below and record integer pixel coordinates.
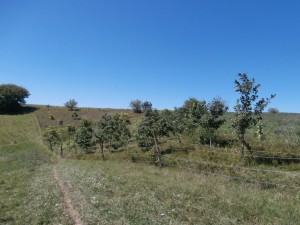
(113, 192)
(29, 195)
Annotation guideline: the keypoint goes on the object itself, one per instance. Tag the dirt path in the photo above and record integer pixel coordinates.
(67, 201)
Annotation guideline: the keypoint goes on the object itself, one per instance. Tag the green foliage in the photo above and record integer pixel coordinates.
(140, 107)
(71, 129)
(71, 104)
(211, 121)
(52, 136)
(154, 124)
(248, 109)
(84, 136)
(194, 110)
(112, 131)
(121, 133)
(146, 106)
(61, 122)
(75, 116)
(50, 116)
(11, 97)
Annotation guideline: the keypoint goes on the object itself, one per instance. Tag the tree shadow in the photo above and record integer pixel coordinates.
(19, 110)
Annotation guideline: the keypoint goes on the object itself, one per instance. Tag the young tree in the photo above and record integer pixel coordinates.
(211, 121)
(11, 97)
(192, 111)
(84, 136)
(51, 136)
(64, 135)
(248, 109)
(121, 133)
(136, 106)
(152, 127)
(176, 121)
(113, 131)
(71, 104)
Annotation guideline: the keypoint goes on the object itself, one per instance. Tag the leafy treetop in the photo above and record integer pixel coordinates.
(12, 96)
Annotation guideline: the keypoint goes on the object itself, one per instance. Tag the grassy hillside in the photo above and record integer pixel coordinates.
(62, 113)
(199, 185)
(28, 193)
(281, 130)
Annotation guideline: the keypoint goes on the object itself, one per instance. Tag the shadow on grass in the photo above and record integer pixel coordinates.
(19, 110)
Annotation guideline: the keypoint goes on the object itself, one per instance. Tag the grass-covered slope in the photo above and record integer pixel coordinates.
(29, 194)
(117, 191)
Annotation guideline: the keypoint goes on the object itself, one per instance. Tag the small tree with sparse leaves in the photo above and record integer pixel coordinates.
(248, 109)
(136, 106)
(71, 104)
(51, 136)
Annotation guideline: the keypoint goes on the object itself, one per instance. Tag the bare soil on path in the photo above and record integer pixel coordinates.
(67, 201)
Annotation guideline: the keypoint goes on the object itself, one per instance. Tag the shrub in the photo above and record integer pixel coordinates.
(136, 106)
(273, 110)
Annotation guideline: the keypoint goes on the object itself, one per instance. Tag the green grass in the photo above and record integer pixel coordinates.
(28, 192)
(113, 192)
(198, 186)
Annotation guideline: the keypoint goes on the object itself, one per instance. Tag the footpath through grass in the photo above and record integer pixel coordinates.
(29, 194)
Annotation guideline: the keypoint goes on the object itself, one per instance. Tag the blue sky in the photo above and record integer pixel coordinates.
(107, 53)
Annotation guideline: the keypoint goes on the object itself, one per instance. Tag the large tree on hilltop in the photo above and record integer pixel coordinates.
(11, 97)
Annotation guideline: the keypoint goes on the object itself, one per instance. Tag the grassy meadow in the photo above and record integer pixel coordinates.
(198, 185)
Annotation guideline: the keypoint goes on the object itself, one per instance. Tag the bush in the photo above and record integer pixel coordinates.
(136, 106)
(273, 110)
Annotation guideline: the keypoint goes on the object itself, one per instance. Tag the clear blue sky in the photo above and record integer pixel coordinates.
(107, 53)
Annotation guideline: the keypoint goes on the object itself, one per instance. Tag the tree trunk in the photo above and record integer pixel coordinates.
(61, 150)
(210, 144)
(242, 151)
(102, 151)
(248, 147)
(50, 143)
(158, 154)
